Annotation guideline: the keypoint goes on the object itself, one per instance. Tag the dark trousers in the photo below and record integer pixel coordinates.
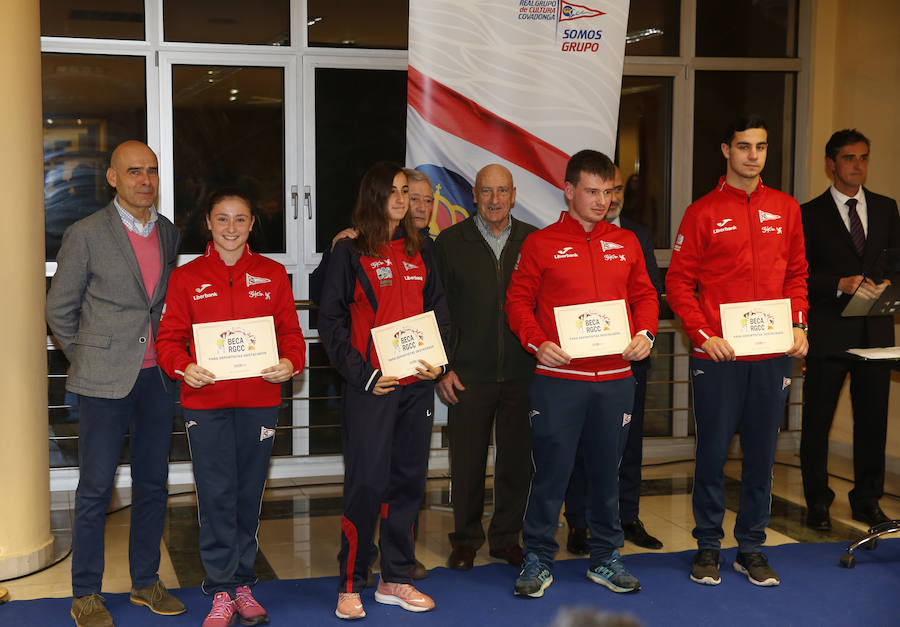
(745, 395)
(483, 407)
(869, 392)
(230, 450)
(386, 441)
(564, 412)
(146, 414)
(629, 468)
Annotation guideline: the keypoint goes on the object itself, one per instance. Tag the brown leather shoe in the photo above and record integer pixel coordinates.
(511, 553)
(158, 599)
(461, 558)
(420, 572)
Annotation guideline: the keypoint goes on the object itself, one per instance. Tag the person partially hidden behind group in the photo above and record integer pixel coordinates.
(387, 273)
(230, 423)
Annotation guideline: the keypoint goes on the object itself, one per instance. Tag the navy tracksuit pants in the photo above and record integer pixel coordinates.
(751, 396)
(146, 415)
(564, 412)
(230, 451)
(386, 444)
(629, 467)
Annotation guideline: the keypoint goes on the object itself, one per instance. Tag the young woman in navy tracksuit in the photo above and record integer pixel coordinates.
(231, 423)
(386, 274)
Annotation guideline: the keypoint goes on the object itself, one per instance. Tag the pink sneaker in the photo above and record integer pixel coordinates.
(349, 606)
(404, 595)
(250, 611)
(222, 613)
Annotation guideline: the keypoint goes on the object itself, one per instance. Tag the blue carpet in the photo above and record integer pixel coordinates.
(815, 590)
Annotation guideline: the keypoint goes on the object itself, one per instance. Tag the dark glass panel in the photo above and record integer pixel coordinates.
(91, 104)
(360, 119)
(228, 131)
(261, 22)
(96, 19)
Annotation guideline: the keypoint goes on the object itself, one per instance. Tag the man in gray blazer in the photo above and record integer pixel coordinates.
(103, 307)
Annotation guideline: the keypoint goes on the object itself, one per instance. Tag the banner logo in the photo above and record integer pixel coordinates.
(571, 11)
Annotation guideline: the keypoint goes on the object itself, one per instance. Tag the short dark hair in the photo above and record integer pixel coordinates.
(222, 193)
(844, 138)
(592, 162)
(743, 123)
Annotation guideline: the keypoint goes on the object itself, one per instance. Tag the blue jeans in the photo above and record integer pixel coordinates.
(146, 414)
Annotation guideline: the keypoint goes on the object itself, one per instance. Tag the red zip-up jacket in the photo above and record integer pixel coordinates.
(206, 290)
(561, 265)
(732, 248)
(362, 292)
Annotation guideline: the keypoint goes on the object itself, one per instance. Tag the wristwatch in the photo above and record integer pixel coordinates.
(802, 327)
(647, 335)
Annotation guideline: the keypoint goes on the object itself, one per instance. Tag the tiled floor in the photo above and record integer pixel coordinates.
(299, 535)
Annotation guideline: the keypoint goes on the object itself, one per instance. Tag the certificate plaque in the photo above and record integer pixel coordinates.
(401, 344)
(759, 327)
(593, 329)
(236, 349)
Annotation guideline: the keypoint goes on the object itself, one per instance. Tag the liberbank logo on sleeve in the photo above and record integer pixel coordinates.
(583, 38)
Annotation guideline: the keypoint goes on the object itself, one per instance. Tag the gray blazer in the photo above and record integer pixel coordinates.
(97, 306)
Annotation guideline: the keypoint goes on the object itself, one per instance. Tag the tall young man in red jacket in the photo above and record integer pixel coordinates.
(742, 241)
(578, 260)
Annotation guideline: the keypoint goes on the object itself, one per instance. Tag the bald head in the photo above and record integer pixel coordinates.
(494, 196)
(134, 172)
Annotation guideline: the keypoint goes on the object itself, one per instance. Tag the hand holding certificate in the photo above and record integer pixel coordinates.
(403, 344)
(759, 327)
(593, 329)
(236, 349)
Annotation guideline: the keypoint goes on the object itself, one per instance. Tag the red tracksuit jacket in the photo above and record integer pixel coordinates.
(206, 290)
(732, 248)
(563, 265)
(373, 291)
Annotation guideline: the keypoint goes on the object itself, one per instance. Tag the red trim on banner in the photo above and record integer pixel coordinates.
(452, 112)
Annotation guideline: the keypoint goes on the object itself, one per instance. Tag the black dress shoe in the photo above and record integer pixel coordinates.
(871, 515)
(461, 558)
(577, 544)
(420, 572)
(636, 534)
(817, 518)
(512, 553)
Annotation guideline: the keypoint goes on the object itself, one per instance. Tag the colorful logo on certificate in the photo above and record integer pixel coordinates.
(757, 321)
(235, 341)
(407, 339)
(592, 323)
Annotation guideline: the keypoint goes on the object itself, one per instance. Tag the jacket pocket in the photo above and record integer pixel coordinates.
(97, 340)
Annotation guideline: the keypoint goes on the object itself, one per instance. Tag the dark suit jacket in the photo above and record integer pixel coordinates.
(831, 255)
(645, 238)
(97, 306)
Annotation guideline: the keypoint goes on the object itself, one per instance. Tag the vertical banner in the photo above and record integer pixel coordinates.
(524, 83)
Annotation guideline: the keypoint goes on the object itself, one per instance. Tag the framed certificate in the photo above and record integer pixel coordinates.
(236, 349)
(759, 327)
(593, 329)
(401, 344)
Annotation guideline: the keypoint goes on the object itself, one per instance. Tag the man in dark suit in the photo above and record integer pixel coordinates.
(103, 307)
(630, 466)
(846, 228)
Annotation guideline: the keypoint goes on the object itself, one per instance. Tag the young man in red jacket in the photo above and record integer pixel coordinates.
(742, 241)
(580, 259)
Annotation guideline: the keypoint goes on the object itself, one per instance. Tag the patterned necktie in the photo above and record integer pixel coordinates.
(857, 234)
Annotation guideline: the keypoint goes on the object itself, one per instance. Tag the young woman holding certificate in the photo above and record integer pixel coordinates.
(384, 275)
(230, 422)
